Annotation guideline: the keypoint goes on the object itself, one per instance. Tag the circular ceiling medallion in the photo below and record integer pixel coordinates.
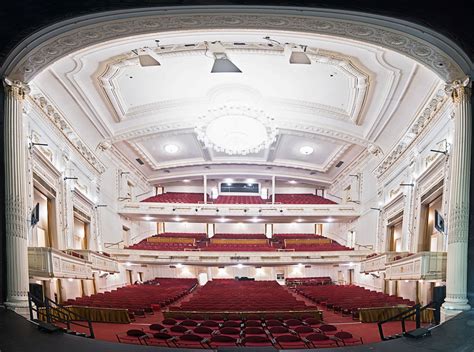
(236, 130)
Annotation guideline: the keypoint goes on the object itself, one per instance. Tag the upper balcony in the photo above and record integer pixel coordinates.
(46, 262)
(419, 266)
(378, 262)
(99, 261)
(218, 258)
(270, 213)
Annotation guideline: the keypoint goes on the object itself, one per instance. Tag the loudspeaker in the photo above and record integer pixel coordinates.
(439, 294)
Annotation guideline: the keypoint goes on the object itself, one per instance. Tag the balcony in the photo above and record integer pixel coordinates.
(271, 213)
(378, 262)
(419, 266)
(99, 261)
(232, 258)
(48, 262)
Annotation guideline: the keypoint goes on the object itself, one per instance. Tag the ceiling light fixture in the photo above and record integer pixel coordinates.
(298, 55)
(306, 150)
(293, 182)
(186, 181)
(171, 148)
(236, 130)
(146, 57)
(222, 64)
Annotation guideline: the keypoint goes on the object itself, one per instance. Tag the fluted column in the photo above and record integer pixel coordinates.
(15, 195)
(458, 220)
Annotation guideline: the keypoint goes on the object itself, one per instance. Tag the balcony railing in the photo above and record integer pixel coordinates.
(419, 266)
(52, 263)
(99, 261)
(378, 262)
(232, 258)
(277, 212)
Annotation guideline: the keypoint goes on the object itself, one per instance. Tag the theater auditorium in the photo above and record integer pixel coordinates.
(216, 177)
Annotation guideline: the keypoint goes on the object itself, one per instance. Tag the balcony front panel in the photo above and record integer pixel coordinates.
(232, 258)
(52, 263)
(419, 266)
(272, 213)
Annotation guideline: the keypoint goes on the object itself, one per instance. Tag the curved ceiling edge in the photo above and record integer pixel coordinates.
(42, 48)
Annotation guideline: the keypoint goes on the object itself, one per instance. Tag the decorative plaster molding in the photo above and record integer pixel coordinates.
(90, 30)
(418, 126)
(360, 79)
(53, 114)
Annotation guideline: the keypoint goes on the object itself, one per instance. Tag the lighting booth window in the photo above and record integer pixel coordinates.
(239, 187)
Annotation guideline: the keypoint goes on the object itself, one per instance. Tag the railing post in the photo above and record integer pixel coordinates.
(30, 306)
(382, 337)
(403, 326)
(418, 317)
(48, 311)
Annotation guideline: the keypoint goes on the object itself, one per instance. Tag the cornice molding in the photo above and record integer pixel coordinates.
(416, 129)
(60, 39)
(59, 121)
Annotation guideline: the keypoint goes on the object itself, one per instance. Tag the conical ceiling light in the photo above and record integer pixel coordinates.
(223, 64)
(299, 57)
(146, 60)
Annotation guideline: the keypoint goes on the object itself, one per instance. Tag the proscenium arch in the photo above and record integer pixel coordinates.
(431, 49)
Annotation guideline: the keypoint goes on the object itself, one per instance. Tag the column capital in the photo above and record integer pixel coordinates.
(459, 89)
(19, 88)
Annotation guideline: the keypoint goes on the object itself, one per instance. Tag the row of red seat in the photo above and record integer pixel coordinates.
(308, 281)
(292, 333)
(348, 299)
(233, 295)
(198, 198)
(139, 298)
(176, 243)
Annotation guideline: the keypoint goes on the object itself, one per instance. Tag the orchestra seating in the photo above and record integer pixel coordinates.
(281, 333)
(136, 298)
(255, 236)
(283, 236)
(347, 299)
(239, 200)
(233, 295)
(176, 197)
(308, 281)
(301, 198)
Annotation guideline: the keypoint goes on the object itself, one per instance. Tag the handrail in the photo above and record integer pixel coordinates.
(414, 310)
(57, 312)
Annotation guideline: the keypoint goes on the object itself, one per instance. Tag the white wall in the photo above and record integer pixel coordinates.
(293, 228)
(240, 228)
(186, 227)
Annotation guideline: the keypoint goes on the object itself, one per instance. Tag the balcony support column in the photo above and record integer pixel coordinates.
(458, 220)
(16, 213)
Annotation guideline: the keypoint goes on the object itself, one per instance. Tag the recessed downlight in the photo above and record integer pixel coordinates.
(306, 150)
(293, 182)
(171, 148)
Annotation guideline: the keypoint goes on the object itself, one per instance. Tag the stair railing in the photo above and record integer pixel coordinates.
(415, 310)
(52, 312)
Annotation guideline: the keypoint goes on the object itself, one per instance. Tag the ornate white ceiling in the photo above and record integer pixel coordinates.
(351, 96)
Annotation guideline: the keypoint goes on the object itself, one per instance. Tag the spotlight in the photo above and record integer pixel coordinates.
(174, 209)
(298, 56)
(217, 210)
(281, 210)
(145, 59)
(222, 64)
(196, 209)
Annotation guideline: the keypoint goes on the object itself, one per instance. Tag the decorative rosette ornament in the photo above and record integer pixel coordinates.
(236, 130)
